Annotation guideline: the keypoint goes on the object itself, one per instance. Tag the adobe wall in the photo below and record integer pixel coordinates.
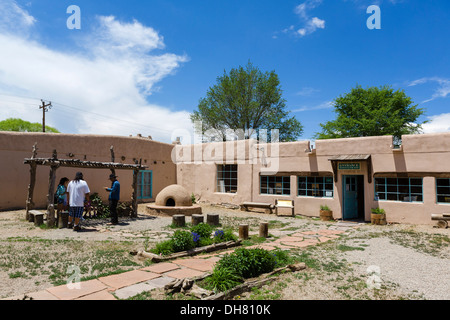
(15, 147)
(425, 155)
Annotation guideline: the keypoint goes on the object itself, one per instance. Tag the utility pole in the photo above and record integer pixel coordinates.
(45, 108)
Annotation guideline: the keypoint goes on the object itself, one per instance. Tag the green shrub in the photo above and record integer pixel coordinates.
(182, 240)
(203, 230)
(165, 248)
(222, 279)
(224, 236)
(248, 263)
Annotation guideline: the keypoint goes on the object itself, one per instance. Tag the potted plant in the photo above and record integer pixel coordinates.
(378, 216)
(325, 213)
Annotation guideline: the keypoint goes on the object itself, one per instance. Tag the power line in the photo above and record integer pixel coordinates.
(131, 124)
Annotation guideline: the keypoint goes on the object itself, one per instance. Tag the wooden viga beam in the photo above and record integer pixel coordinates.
(84, 164)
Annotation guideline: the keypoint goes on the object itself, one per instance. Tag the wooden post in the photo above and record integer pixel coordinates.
(264, 230)
(212, 219)
(51, 192)
(30, 203)
(197, 219)
(113, 159)
(243, 231)
(134, 206)
(179, 220)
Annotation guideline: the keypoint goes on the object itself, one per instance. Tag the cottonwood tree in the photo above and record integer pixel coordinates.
(246, 99)
(375, 111)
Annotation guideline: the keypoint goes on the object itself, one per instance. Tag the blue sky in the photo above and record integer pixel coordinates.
(142, 66)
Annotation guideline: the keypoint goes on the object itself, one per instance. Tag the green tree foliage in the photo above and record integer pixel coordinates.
(373, 112)
(247, 99)
(19, 125)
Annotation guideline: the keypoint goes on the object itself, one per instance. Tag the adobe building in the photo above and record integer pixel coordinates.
(15, 175)
(350, 176)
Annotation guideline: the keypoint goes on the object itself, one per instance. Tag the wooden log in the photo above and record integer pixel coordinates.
(179, 220)
(50, 196)
(30, 203)
(212, 219)
(243, 231)
(134, 205)
(63, 219)
(264, 230)
(197, 219)
(38, 219)
(442, 224)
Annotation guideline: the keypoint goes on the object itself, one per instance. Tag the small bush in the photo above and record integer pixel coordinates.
(182, 240)
(203, 230)
(249, 263)
(222, 279)
(224, 236)
(165, 248)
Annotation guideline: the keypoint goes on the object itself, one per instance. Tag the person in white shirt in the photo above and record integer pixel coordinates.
(77, 193)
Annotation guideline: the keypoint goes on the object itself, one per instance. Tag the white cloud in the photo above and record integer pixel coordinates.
(307, 91)
(442, 91)
(104, 90)
(310, 24)
(14, 19)
(322, 106)
(438, 123)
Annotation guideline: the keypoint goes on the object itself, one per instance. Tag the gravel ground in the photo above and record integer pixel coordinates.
(413, 261)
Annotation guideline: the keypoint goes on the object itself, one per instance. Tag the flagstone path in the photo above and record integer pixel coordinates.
(131, 283)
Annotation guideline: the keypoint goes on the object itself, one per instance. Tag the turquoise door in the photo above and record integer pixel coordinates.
(350, 197)
(144, 184)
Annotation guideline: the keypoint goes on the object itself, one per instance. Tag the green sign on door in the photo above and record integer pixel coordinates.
(350, 166)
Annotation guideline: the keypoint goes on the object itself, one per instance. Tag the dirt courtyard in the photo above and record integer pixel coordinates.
(406, 261)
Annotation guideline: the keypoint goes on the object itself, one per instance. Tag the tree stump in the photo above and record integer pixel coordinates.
(63, 219)
(38, 219)
(264, 230)
(212, 219)
(179, 220)
(196, 219)
(243, 231)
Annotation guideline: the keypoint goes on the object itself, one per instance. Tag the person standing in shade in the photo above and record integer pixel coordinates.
(77, 193)
(114, 197)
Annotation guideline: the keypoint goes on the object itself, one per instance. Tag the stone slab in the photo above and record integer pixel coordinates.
(184, 273)
(160, 282)
(101, 295)
(161, 267)
(85, 288)
(204, 265)
(129, 278)
(131, 291)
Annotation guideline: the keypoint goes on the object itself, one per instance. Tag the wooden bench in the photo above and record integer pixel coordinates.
(267, 206)
(37, 217)
(288, 204)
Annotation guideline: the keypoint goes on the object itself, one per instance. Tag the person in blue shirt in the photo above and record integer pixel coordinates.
(114, 197)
